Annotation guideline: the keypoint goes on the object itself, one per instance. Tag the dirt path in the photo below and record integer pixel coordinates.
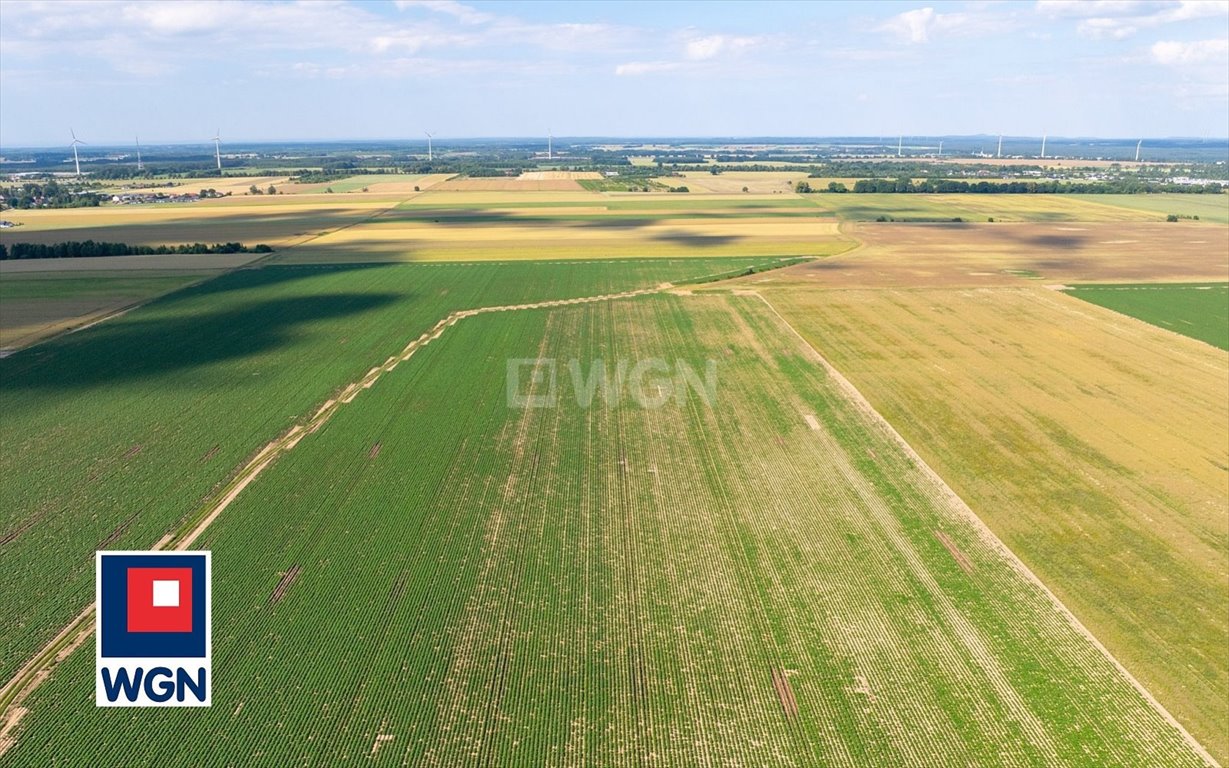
(987, 535)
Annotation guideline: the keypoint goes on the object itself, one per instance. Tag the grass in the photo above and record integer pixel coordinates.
(1200, 311)
(616, 585)
(115, 433)
(1098, 456)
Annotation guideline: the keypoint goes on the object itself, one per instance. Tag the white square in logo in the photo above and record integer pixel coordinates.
(166, 594)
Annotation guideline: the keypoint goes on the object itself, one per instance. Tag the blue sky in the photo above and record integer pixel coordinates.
(178, 71)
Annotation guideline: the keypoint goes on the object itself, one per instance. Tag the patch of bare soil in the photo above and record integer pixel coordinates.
(375, 451)
(860, 685)
(381, 739)
(12, 717)
(284, 583)
(961, 559)
(785, 693)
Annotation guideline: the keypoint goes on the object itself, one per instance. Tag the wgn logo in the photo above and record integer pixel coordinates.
(152, 632)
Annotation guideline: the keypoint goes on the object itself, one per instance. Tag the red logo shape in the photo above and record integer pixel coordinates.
(159, 599)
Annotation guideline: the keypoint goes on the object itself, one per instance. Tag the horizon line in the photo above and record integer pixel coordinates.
(643, 138)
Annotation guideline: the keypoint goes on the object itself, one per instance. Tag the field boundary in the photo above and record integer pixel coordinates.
(984, 531)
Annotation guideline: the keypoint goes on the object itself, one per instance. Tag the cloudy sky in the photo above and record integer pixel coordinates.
(265, 70)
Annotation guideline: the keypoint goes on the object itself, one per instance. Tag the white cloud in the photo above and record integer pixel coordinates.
(1119, 19)
(463, 13)
(704, 48)
(1174, 52)
(922, 25)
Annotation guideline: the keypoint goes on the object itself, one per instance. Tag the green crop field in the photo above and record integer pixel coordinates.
(759, 575)
(1209, 207)
(117, 434)
(36, 305)
(1200, 311)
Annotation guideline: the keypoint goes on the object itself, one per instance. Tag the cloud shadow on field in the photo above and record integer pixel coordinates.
(180, 332)
(1061, 242)
(695, 240)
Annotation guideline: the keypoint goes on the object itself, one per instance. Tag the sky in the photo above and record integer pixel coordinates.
(266, 70)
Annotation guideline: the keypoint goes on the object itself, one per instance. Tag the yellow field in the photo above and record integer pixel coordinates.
(389, 239)
(237, 185)
(555, 175)
(441, 195)
(509, 184)
(1094, 445)
(764, 182)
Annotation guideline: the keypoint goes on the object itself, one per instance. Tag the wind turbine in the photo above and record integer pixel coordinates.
(217, 148)
(76, 141)
(1137, 146)
(900, 145)
(140, 165)
(430, 155)
(1043, 146)
(550, 145)
(940, 147)
(1000, 153)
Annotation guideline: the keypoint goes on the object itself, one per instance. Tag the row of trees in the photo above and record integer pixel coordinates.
(90, 248)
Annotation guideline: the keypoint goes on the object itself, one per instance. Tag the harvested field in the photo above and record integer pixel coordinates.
(949, 255)
(717, 584)
(557, 175)
(1094, 445)
(976, 208)
(517, 184)
(235, 185)
(732, 182)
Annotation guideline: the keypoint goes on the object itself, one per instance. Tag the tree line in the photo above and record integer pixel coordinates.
(89, 248)
(946, 186)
